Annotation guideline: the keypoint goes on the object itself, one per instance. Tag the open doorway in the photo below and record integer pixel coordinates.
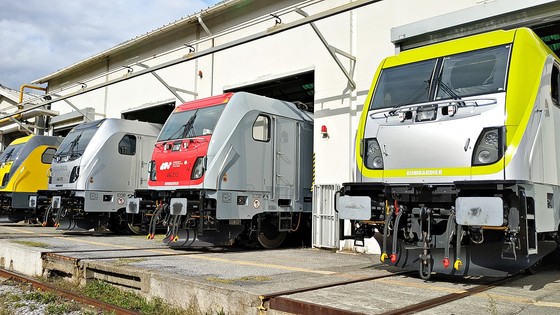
(550, 35)
(296, 88)
(153, 113)
(7, 138)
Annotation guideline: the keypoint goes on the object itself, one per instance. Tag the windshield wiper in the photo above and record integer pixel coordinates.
(8, 155)
(449, 91)
(73, 145)
(413, 97)
(71, 148)
(184, 128)
(188, 126)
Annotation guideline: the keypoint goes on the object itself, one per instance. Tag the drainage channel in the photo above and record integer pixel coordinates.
(83, 269)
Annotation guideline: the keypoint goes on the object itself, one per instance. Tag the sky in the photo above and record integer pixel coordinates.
(39, 37)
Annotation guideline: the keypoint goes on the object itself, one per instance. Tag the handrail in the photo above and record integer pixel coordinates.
(457, 103)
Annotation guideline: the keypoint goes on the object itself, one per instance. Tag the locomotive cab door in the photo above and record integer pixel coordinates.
(144, 153)
(285, 161)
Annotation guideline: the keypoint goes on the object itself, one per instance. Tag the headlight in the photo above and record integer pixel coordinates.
(152, 170)
(75, 174)
(425, 113)
(489, 147)
(373, 156)
(198, 169)
(5, 179)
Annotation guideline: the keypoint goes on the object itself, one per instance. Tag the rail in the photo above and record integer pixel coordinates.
(67, 294)
(428, 304)
(277, 302)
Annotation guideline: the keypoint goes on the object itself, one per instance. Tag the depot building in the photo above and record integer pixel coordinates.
(321, 54)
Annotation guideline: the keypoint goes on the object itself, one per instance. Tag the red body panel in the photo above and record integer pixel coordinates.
(174, 167)
(205, 102)
(175, 159)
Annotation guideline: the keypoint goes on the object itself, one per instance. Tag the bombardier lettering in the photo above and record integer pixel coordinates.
(424, 173)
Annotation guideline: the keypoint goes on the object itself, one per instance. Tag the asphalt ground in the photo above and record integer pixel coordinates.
(231, 279)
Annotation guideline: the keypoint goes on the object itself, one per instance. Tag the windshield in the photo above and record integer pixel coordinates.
(473, 73)
(403, 85)
(192, 123)
(75, 143)
(11, 152)
(476, 72)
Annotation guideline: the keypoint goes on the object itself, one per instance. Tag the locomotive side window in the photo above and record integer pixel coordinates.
(127, 145)
(261, 128)
(554, 85)
(48, 155)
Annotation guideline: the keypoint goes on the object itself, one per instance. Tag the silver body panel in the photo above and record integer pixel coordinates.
(260, 172)
(409, 146)
(106, 177)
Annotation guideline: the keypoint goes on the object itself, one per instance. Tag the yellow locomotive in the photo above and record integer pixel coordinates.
(23, 170)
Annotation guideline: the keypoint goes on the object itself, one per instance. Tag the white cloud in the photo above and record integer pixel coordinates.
(39, 37)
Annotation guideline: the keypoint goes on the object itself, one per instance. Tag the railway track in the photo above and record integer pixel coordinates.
(277, 301)
(67, 294)
(431, 303)
(280, 302)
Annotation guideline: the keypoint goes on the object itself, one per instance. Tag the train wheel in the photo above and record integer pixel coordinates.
(135, 229)
(117, 223)
(270, 237)
(426, 269)
(535, 268)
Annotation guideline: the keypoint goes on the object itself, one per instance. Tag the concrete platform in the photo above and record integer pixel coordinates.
(229, 280)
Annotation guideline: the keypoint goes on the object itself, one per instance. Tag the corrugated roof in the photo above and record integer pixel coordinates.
(218, 7)
(14, 94)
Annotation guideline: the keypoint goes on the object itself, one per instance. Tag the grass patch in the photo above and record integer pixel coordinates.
(102, 291)
(41, 297)
(26, 300)
(32, 244)
(64, 308)
(239, 280)
(109, 294)
(5, 302)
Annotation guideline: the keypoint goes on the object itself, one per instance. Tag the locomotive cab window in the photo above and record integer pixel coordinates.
(449, 77)
(127, 145)
(261, 128)
(554, 85)
(48, 155)
(477, 72)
